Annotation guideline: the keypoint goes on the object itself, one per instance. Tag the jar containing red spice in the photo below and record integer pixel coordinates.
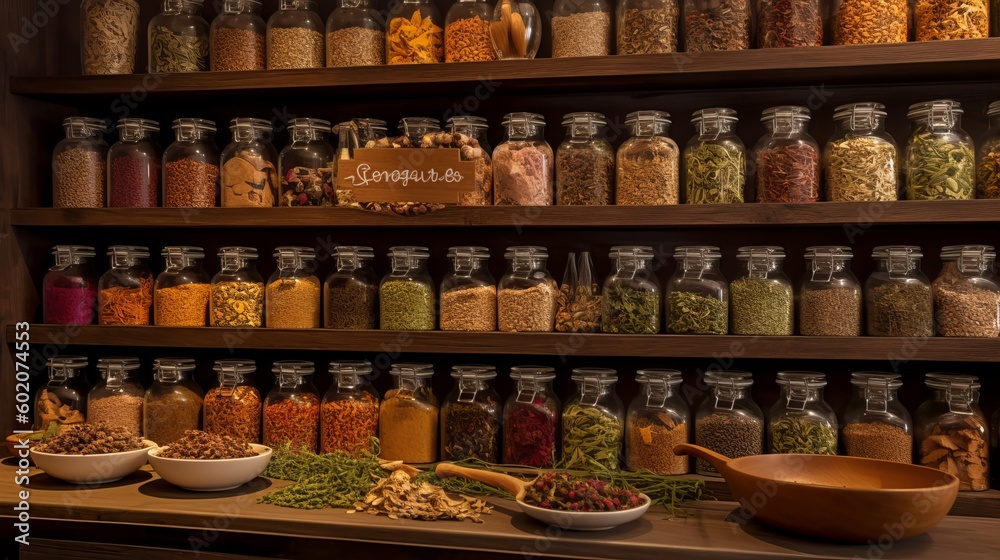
(952, 433)
(787, 157)
(789, 23)
(658, 420)
(134, 165)
(470, 416)
(531, 419)
(233, 407)
(350, 292)
(408, 416)
(182, 290)
(237, 293)
(291, 409)
(173, 403)
(117, 399)
(191, 166)
(249, 175)
(79, 165)
(69, 289)
(125, 291)
(306, 165)
(593, 422)
(523, 163)
(468, 291)
(63, 399)
(349, 413)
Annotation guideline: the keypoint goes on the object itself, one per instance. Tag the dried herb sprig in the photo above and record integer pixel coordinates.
(322, 480)
(716, 174)
(691, 313)
(938, 169)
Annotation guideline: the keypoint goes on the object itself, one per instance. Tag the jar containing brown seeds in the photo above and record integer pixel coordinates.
(876, 424)
(237, 290)
(862, 161)
(173, 402)
(350, 293)
(648, 162)
(830, 296)
(728, 421)
(295, 36)
(585, 162)
(354, 35)
(468, 291)
(238, 37)
(117, 399)
(526, 294)
(967, 292)
(898, 300)
(581, 28)
(191, 166)
(79, 165)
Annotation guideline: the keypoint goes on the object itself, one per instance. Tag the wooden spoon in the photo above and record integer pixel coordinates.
(515, 486)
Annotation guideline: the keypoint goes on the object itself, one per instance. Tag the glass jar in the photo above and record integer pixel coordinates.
(249, 165)
(470, 416)
(354, 35)
(781, 23)
(295, 36)
(134, 165)
(125, 291)
(406, 294)
(468, 134)
(467, 32)
(898, 300)
(182, 291)
(293, 292)
(531, 419)
(69, 289)
(349, 413)
(876, 424)
(414, 34)
(697, 293)
(307, 165)
(787, 157)
(967, 292)
(763, 301)
(715, 161)
(648, 162)
(801, 421)
(191, 166)
(523, 163)
(716, 25)
(233, 407)
(179, 38)
(172, 403)
(728, 421)
(593, 422)
(468, 291)
(117, 398)
(648, 26)
(631, 298)
(526, 294)
(940, 155)
(237, 290)
(109, 31)
(658, 420)
(988, 156)
(350, 293)
(861, 22)
(291, 408)
(408, 416)
(862, 162)
(581, 28)
(830, 295)
(940, 20)
(239, 37)
(585, 161)
(79, 165)
(63, 399)
(578, 303)
(952, 432)
(519, 29)
(417, 132)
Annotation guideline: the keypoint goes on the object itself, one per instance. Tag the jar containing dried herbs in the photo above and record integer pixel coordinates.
(79, 165)
(898, 300)
(658, 420)
(408, 416)
(952, 432)
(526, 294)
(406, 295)
(414, 34)
(292, 297)
(63, 398)
(239, 37)
(830, 296)
(470, 416)
(581, 28)
(109, 31)
(716, 25)
(134, 163)
(941, 20)
(787, 157)
(354, 35)
(523, 163)
(578, 303)
(593, 422)
(468, 291)
(249, 165)
(876, 424)
(715, 161)
(69, 288)
(351, 292)
(172, 403)
(291, 408)
(630, 300)
(967, 292)
(125, 291)
(789, 23)
(296, 36)
(697, 293)
(233, 408)
(237, 296)
(648, 162)
(191, 166)
(467, 35)
(468, 134)
(349, 413)
(870, 22)
(801, 421)
(531, 419)
(862, 161)
(585, 162)
(118, 397)
(988, 156)
(762, 301)
(728, 421)
(940, 155)
(648, 26)
(182, 290)
(179, 38)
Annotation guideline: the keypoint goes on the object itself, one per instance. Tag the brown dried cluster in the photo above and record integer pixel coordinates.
(964, 308)
(940, 20)
(468, 40)
(237, 49)
(92, 439)
(398, 497)
(870, 22)
(355, 46)
(196, 444)
(959, 450)
(718, 26)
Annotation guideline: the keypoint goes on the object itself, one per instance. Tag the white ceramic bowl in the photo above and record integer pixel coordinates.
(92, 469)
(210, 475)
(586, 520)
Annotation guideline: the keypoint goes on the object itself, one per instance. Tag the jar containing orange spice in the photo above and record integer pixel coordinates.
(125, 292)
(349, 414)
(233, 407)
(291, 409)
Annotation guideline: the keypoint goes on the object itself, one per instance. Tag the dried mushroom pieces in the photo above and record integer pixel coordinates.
(91, 439)
(935, 20)
(960, 450)
(196, 444)
(566, 493)
(54, 410)
(248, 180)
(414, 40)
(399, 497)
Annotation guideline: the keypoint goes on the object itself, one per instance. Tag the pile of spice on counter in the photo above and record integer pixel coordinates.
(401, 497)
(91, 439)
(566, 493)
(196, 444)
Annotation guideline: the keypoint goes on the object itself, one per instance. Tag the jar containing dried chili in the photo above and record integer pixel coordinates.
(237, 298)
(470, 416)
(658, 420)
(830, 295)
(406, 294)
(952, 432)
(531, 419)
(801, 421)
(789, 23)
(239, 37)
(173, 402)
(306, 165)
(408, 416)
(526, 294)
(941, 20)
(249, 165)
(870, 22)
(715, 161)
(762, 299)
(69, 289)
(350, 292)
(233, 407)
(63, 399)
(988, 156)
(862, 161)
(414, 34)
(468, 134)
(134, 165)
(697, 293)
(469, 291)
(940, 155)
(349, 413)
(291, 408)
(898, 299)
(182, 290)
(118, 397)
(354, 35)
(717, 25)
(191, 166)
(79, 165)
(647, 163)
(296, 36)
(787, 157)
(631, 297)
(523, 163)
(293, 291)
(125, 291)
(585, 162)
(593, 422)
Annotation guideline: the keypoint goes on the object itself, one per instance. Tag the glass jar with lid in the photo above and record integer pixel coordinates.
(468, 134)
(593, 422)
(349, 413)
(801, 421)
(291, 408)
(988, 155)
(237, 298)
(952, 433)
(134, 165)
(762, 300)
(306, 165)
(408, 416)
(697, 293)
(233, 407)
(468, 291)
(585, 162)
(109, 32)
(631, 298)
(717, 25)
(940, 161)
(782, 24)
(648, 26)
(728, 421)
(63, 398)
(967, 292)
(79, 165)
(354, 35)
(172, 403)
(179, 38)
(658, 420)
(239, 37)
(523, 163)
(787, 157)
(181, 292)
(715, 161)
(414, 34)
(830, 295)
(351, 292)
(117, 398)
(69, 289)
(467, 32)
(898, 299)
(249, 165)
(125, 291)
(406, 294)
(417, 132)
(934, 20)
(470, 416)
(519, 26)
(876, 424)
(581, 28)
(293, 292)
(647, 163)
(295, 36)
(526, 294)
(531, 419)
(861, 159)
(191, 166)
(859, 22)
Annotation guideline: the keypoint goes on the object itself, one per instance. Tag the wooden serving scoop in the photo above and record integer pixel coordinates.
(515, 486)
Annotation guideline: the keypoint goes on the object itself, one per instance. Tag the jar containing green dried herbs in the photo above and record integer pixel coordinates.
(233, 407)
(717, 25)
(351, 292)
(658, 420)
(762, 301)
(291, 408)
(876, 424)
(585, 162)
(648, 162)
(787, 158)
(648, 26)
(830, 295)
(967, 292)
(531, 418)
(715, 161)
(952, 432)
(470, 416)
(697, 293)
(862, 161)
(593, 422)
(630, 300)
(898, 300)
(940, 155)
(801, 421)
(178, 38)
(406, 294)
(408, 416)
(526, 294)
(349, 413)
(988, 157)
(728, 421)
(173, 403)
(469, 291)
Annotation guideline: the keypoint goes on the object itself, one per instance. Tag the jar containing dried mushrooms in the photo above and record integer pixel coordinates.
(787, 157)
(526, 295)
(876, 424)
(237, 290)
(468, 291)
(801, 421)
(118, 397)
(406, 294)
(125, 291)
(354, 35)
(715, 161)
(134, 165)
(172, 403)
(191, 166)
(952, 433)
(182, 290)
(79, 165)
(306, 164)
(648, 162)
(523, 163)
(967, 292)
(470, 416)
(940, 156)
(648, 26)
(581, 28)
(63, 399)
(862, 161)
(762, 301)
(898, 300)
(830, 296)
(109, 31)
(658, 420)
(468, 134)
(249, 165)
(697, 293)
(239, 37)
(414, 34)
(179, 38)
(630, 300)
(233, 407)
(292, 298)
(292, 407)
(585, 162)
(351, 292)
(295, 36)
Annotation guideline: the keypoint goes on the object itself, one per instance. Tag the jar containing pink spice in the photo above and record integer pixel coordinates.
(69, 289)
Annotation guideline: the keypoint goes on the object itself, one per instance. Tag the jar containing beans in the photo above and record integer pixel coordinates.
(406, 294)
(470, 416)
(69, 289)
(593, 422)
(125, 291)
(237, 296)
(173, 402)
(468, 134)
(351, 292)
(648, 162)
(952, 431)
(354, 35)
(109, 31)
(940, 161)
(117, 398)
(63, 399)
(715, 162)
(467, 32)
(179, 38)
(585, 162)
(79, 165)
(291, 409)
(830, 295)
(238, 37)
(233, 407)
(414, 34)
(801, 421)
(762, 301)
(249, 174)
(581, 28)
(293, 291)
(408, 416)
(295, 36)
(876, 424)
(787, 157)
(658, 420)
(134, 165)
(191, 166)
(469, 291)
(967, 292)
(349, 413)
(786, 23)
(526, 294)
(531, 419)
(697, 293)
(862, 162)
(631, 298)
(523, 163)
(898, 299)
(728, 421)
(182, 290)
(306, 165)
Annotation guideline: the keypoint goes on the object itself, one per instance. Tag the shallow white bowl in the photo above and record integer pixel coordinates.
(210, 475)
(586, 520)
(92, 469)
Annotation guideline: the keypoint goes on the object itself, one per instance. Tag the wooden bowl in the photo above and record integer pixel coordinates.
(14, 440)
